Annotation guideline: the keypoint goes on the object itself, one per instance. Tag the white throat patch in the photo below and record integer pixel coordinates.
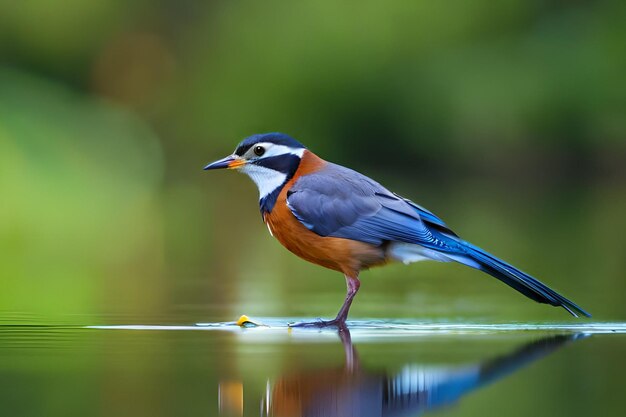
(266, 180)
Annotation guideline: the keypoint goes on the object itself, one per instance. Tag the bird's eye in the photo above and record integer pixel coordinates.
(259, 150)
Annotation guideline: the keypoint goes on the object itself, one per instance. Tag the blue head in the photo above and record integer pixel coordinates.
(270, 159)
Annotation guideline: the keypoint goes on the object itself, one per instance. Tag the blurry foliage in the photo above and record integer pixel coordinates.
(507, 118)
(78, 180)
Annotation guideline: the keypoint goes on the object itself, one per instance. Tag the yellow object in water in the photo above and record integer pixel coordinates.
(243, 320)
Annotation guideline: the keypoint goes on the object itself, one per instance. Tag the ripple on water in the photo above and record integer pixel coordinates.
(391, 328)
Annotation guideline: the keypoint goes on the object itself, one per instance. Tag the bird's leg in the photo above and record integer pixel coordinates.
(353, 285)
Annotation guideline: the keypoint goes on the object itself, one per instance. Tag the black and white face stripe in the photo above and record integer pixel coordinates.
(275, 138)
(270, 170)
(268, 150)
(287, 163)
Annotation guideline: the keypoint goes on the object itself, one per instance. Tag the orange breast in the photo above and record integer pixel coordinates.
(343, 255)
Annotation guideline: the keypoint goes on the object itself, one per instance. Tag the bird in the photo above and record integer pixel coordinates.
(340, 219)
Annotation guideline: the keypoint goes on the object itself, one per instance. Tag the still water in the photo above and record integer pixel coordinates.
(377, 368)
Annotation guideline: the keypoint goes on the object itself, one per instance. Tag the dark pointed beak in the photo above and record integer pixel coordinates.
(230, 162)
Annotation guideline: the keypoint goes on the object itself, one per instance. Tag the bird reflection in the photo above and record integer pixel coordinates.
(415, 389)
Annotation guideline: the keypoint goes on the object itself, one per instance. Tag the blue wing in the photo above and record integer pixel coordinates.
(340, 202)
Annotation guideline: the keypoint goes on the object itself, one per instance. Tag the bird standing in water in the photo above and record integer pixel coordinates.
(337, 218)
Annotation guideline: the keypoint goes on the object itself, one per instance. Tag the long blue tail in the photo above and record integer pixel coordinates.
(454, 248)
(513, 277)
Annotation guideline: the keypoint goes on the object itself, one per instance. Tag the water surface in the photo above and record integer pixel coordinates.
(377, 368)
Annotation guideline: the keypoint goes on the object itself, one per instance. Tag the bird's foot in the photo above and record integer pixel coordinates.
(319, 323)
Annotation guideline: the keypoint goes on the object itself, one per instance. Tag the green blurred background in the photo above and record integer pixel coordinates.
(504, 118)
